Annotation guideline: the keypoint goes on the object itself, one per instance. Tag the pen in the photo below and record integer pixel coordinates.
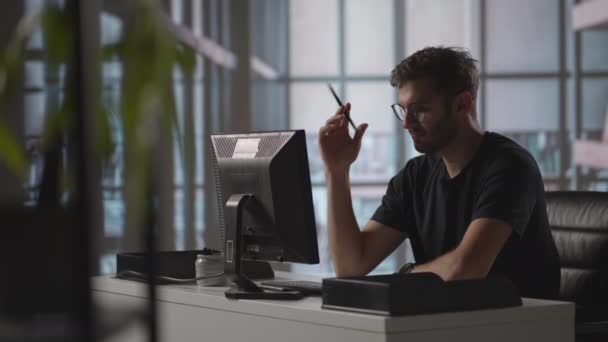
(340, 104)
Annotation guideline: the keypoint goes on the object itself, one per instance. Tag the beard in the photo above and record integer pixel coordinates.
(439, 135)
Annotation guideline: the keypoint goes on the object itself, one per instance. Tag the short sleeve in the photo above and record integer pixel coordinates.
(394, 209)
(508, 192)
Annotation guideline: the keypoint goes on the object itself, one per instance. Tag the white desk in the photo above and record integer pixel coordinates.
(192, 313)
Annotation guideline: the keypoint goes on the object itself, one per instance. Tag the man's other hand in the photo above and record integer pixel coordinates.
(338, 149)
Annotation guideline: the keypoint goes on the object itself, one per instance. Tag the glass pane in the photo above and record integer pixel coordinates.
(311, 104)
(113, 168)
(313, 37)
(595, 104)
(114, 213)
(365, 201)
(32, 6)
(34, 74)
(61, 72)
(371, 104)
(438, 22)
(268, 29)
(179, 219)
(199, 138)
(598, 186)
(199, 120)
(369, 36)
(545, 148)
(199, 217)
(111, 28)
(571, 116)
(198, 70)
(177, 12)
(35, 40)
(594, 50)
(33, 146)
(112, 73)
(199, 172)
(522, 105)
(35, 108)
(325, 266)
(178, 165)
(268, 100)
(107, 264)
(197, 17)
(527, 111)
(522, 36)
(179, 93)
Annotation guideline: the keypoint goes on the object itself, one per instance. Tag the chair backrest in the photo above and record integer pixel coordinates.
(579, 223)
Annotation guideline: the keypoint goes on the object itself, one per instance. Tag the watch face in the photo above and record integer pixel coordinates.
(406, 268)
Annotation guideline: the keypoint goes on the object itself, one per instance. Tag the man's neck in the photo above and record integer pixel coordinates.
(461, 149)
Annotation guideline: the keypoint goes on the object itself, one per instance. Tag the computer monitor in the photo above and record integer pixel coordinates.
(265, 203)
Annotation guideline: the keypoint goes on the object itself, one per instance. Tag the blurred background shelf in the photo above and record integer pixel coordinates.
(591, 14)
(591, 153)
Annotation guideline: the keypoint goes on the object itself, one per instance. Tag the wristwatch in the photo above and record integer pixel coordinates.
(407, 268)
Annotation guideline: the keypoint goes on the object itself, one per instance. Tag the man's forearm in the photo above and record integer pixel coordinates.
(343, 231)
(475, 254)
(450, 266)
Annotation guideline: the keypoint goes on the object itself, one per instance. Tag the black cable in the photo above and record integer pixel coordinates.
(134, 274)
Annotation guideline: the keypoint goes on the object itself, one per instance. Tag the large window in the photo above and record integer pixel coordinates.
(533, 78)
(43, 93)
(434, 23)
(541, 85)
(592, 82)
(349, 44)
(527, 94)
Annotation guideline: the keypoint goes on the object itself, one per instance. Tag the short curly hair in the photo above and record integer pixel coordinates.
(451, 70)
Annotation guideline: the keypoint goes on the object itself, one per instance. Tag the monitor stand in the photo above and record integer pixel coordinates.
(243, 287)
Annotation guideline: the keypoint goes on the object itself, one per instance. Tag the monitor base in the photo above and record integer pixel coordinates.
(243, 287)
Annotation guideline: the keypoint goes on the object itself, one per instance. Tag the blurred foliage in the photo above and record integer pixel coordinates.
(148, 53)
(11, 64)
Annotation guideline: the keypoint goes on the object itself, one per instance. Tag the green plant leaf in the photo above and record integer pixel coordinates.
(12, 152)
(12, 58)
(58, 33)
(103, 134)
(57, 122)
(110, 51)
(185, 58)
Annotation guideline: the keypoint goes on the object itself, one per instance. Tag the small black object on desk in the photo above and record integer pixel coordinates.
(180, 264)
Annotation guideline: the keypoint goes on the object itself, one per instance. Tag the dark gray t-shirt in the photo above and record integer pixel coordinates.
(502, 182)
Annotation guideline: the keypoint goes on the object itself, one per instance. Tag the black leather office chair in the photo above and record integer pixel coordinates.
(579, 223)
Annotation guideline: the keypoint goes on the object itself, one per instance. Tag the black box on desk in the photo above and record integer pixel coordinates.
(416, 293)
(180, 265)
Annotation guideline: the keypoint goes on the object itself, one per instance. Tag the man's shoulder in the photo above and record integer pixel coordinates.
(420, 165)
(500, 151)
(424, 161)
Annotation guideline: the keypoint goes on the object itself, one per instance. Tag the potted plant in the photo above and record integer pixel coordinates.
(148, 53)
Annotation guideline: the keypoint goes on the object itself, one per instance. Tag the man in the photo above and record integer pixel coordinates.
(472, 205)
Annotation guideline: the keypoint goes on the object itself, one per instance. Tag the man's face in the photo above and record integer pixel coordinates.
(438, 126)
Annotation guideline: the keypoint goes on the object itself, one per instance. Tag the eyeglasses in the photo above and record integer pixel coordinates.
(415, 112)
